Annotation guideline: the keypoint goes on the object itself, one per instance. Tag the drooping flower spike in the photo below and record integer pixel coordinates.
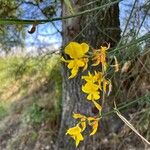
(95, 84)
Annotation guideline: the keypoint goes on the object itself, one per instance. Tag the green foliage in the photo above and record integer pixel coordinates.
(10, 36)
(15, 68)
(34, 136)
(49, 11)
(3, 112)
(147, 99)
(50, 70)
(8, 8)
(33, 66)
(27, 72)
(5, 76)
(35, 114)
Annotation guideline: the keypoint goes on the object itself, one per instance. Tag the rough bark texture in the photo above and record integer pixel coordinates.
(99, 23)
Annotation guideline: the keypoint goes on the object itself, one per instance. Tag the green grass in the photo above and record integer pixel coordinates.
(35, 114)
(15, 68)
(3, 112)
(27, 72)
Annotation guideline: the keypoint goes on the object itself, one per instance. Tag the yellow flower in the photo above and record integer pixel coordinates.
(105, 83)
(82, 118)
(96, 78)
(78, 60)
(93, 122)
(76, 50)
(92, 90)
(75, 133)
(100, 57)
(75, 64)
(89, 78)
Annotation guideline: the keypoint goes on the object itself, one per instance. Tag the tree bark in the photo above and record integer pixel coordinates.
(96, 28)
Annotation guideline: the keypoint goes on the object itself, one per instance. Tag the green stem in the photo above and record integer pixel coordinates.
(143, 38)
(19, 21)
(124, 106)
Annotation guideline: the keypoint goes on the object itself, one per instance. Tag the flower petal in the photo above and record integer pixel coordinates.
(79, 138)
(74, 72)
(104, 85)
(83, 124)
(94, 127)
(90, 97)
(96, 95)
(64, 60)
(85, 47)
(80, 62)
(85, 64)
(76, 50)
(78, 116)
(71, 64)
(98, 106)
(72, 49)
(75, 133)
(73, 130)
(96, 63)
(116, 64)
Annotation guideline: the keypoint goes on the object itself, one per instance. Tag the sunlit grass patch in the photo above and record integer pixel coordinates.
(18, 74)
(21, 79)
(3, 112)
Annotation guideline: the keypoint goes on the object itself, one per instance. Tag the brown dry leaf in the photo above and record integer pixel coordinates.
(126, 67)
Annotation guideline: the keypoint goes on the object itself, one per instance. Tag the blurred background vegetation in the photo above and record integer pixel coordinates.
(31, 82)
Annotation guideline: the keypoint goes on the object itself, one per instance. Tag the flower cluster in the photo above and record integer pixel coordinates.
(76, 131)
(95, 83)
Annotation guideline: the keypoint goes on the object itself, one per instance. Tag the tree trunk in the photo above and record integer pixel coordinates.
(95, 29)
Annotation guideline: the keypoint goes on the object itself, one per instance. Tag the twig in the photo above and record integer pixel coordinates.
(129, 124)
(138, 40)
(19, 21)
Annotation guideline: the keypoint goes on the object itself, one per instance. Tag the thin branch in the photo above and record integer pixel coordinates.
(147, 10)
(19, 21)
(124, 106)
(130, 125)
(143, 38)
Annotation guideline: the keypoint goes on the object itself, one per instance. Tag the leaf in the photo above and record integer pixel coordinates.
(94, 127)
(32, 30)
(126, 67)
(116, 64)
